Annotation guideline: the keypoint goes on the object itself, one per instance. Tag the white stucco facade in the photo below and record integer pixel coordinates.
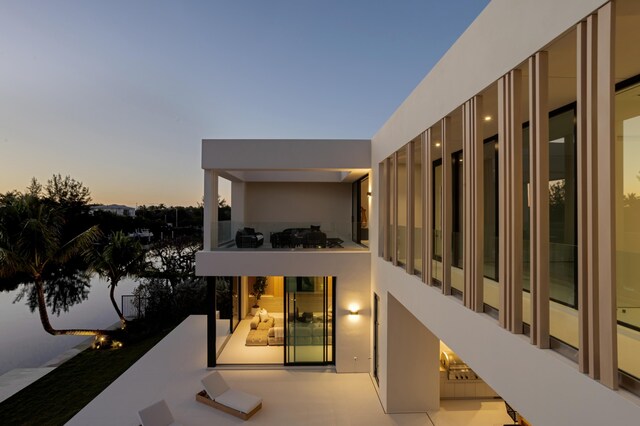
(545, 387)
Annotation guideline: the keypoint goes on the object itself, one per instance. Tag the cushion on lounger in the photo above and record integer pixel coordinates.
(265, 325)
(254, 322)
(239, 400)
(257, 338)
(215, 385)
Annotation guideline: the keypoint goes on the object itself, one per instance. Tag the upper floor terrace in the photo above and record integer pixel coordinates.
(288, 194)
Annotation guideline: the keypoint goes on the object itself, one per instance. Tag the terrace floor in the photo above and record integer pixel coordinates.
(173, 368)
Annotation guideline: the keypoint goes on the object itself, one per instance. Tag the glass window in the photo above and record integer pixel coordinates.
(627, 128)
(360, 207)
(562, 208)
(491, 295)
(457, 236)
(402, 177)
(458, 209)
(417, 206)
(490, 164)
(562, 223)
(365, 209)
(382, 203)
(437, 222)
(390, 208)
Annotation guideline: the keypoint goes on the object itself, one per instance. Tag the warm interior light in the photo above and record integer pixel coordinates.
(354, 309)
(487, 118)
(437, 144)
(369, 193)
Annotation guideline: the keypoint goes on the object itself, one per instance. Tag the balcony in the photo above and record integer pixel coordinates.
(289, 236)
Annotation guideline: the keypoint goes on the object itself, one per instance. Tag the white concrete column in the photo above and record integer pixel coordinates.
(210, 213)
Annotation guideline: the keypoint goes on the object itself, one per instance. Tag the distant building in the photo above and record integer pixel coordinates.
(117, 209)
(143, 233)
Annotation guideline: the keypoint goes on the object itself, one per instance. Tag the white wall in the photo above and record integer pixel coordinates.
(505, 34)
(413, 368)
(298, 202)
(545, 387)
(286, 154)
(353, 286)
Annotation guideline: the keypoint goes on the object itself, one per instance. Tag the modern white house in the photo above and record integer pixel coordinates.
(485, 241)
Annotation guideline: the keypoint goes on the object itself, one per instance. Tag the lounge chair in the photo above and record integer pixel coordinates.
(157, 414)
(218, 394)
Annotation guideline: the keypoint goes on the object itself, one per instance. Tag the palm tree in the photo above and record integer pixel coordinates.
(121, 257)
(32, 243)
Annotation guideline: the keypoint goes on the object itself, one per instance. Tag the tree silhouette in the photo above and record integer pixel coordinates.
(121, 257)
(32, 244)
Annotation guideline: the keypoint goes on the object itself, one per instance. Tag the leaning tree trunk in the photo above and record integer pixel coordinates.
(42, 308)
(123, 320)
(46, 324)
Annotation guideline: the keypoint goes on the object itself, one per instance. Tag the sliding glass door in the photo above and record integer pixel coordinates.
(309, 320)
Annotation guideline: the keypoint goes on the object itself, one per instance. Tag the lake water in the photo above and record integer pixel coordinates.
(23, 341)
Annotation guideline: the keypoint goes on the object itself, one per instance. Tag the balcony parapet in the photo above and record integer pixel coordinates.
(289, 236)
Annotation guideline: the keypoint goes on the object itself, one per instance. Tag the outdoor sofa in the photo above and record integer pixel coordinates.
(249, 238)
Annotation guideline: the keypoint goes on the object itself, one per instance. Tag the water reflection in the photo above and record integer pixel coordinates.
(23, 341)
(63, 289)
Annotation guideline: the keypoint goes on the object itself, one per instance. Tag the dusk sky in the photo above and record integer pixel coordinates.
(119, 94)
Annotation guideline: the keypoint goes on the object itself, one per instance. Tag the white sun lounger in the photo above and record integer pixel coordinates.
(218, 394)
(157, 414)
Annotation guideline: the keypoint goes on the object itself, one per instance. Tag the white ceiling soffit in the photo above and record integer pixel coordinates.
(344, 176)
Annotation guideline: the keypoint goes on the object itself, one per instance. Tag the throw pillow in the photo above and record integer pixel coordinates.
(264, 315)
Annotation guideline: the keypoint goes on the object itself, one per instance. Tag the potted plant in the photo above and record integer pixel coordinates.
(259, 287)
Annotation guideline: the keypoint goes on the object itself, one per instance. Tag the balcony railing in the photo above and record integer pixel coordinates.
(286, 236)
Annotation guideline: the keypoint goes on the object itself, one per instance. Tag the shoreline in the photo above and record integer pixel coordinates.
(16, 379)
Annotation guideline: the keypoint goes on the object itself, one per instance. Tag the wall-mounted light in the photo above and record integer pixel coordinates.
(488, 118)
(354, 309)
(437, 144)
(368, 193)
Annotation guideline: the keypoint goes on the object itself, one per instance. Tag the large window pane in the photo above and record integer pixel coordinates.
(402, 206)
(437, 221)
(390, 207)
(457, 248)
(562, 225)
(417, 206)
(562, 208)
(627, 127)
(490, 164)
(491, 254)
(365, 211)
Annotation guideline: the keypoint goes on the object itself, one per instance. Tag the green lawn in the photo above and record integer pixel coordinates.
(58, 396)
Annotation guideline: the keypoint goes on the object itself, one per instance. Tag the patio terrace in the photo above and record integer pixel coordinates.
(172, 371)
